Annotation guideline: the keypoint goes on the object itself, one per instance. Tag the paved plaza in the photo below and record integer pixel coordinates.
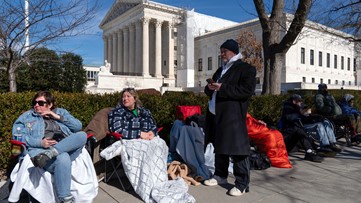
(337, 179)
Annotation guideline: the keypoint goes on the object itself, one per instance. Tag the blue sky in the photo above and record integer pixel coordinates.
(90, 45)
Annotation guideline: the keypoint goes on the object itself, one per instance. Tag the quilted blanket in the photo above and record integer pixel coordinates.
(145, 164)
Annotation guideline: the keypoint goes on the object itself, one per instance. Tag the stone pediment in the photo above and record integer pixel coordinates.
(118, 8)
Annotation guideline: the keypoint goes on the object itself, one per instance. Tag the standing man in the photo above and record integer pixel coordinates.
(229, 91)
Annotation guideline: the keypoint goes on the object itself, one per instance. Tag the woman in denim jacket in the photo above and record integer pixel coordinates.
(53, 138)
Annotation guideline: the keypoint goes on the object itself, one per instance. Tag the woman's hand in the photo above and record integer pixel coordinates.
(147, 135)
(50, 114)
(47, 142)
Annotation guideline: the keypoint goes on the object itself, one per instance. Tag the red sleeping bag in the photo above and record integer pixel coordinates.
(269, 141)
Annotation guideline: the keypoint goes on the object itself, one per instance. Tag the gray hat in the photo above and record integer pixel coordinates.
(297, 97)
(348, 97)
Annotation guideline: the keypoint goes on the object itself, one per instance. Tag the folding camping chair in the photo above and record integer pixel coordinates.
(37, 178)
(183, 112)
(115, 162)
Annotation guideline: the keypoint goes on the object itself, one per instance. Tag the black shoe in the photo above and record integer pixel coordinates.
(326, 151)
(356, 139)
(335, 148)
(40, 160)
(312, 156)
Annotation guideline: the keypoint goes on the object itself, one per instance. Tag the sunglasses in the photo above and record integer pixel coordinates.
(41, 103)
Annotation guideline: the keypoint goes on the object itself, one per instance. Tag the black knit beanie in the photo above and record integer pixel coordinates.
(231, 45)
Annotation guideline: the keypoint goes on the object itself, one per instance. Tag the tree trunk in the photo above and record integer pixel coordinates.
(272, 74)
(12, 79)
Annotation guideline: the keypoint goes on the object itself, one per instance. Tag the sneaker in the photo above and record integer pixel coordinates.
(312, 156)
(236, 192)
(68, 199)
(326, 151)
(216, 180)
(335, 148)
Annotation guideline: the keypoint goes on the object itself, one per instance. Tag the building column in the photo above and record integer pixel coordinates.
(145, 71)
(138, 49)
(131, 49)
(110, 47)
(125, 51)
(105, 40)
(120, 52)
(113, 67)
(170, 51)
(158, 49)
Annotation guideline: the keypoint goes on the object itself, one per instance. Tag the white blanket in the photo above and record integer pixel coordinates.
(38, 183)
(145, 164)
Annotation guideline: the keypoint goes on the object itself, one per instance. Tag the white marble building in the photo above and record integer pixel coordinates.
(153, 45)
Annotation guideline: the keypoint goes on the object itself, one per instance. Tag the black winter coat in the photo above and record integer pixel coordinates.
(238, 85)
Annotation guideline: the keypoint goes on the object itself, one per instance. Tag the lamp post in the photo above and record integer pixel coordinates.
(27, 40)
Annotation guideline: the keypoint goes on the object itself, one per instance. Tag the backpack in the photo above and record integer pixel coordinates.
(258, 160)
(199, 119)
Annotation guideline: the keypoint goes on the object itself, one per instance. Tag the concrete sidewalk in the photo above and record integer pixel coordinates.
(337, 179)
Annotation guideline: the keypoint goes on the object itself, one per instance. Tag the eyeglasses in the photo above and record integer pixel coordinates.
(41, 103)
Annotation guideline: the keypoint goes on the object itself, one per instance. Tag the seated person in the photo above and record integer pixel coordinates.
(130, 119)
(347, 107)
(293, 131)
(327, 106)
(268, 141)
(325, 103)
(53, 138)
(143, 155)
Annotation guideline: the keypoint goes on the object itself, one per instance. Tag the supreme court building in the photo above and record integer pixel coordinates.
(153, 45)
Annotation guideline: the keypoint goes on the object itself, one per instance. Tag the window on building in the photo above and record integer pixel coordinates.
(343, 82)
(219, 61)
(328, 60)
(258, 80)
(313, 80)
(303, 79)
(302, 55)
(348, 63)
(336, 82)
(329, 81)
(335, 61)
(200, 65)
(320, 58)
(91, 75)
(349, 83)
(342, 62)
(321, 80)
(312, 59)
(175, 63)
(354, 64)
(209, 63)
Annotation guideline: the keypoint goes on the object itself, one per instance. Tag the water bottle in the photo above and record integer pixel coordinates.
(18, 136)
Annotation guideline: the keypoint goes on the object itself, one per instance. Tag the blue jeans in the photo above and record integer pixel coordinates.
(323, 132)
(60, 166)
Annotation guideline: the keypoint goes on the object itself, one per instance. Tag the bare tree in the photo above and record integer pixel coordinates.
(47, 21)
(275, 48)
(251, 49)
(344, 15)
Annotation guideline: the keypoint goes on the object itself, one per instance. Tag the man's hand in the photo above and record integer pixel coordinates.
(215, 86)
